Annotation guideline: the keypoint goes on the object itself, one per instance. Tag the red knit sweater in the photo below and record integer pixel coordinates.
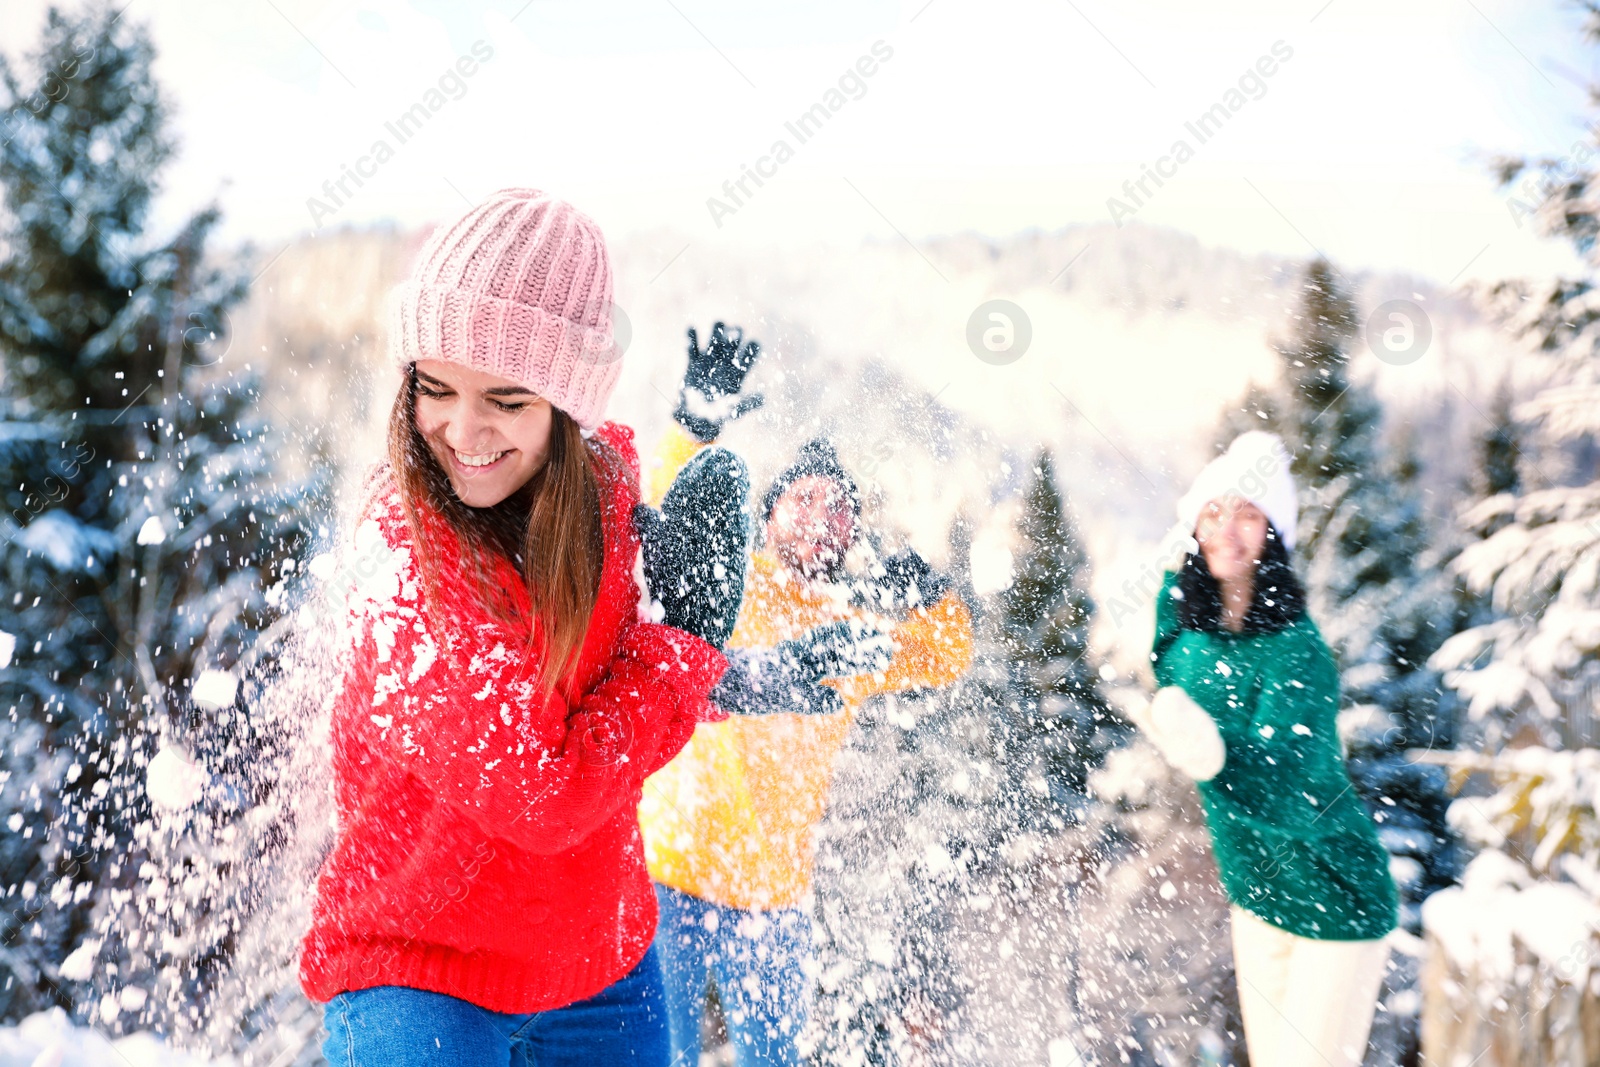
(488, 841)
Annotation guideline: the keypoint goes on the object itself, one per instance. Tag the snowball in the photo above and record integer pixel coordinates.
(214, 689)
(14, 824)
(8, 645)
(172, 782)
(79, 964)
(151, 533)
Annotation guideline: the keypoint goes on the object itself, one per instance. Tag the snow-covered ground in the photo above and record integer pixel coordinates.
(49, 1039)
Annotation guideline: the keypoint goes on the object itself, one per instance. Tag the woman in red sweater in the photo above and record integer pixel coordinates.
(486, 899)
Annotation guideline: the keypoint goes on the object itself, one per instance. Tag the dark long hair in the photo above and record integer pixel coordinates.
(550, 529)
(1277, 601)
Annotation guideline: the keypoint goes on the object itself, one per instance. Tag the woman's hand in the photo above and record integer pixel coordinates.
(1185, 733)
(695, 546)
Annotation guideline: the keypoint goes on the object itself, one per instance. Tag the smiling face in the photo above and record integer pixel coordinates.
(1233, 534)
(489, 434)
(812, 525)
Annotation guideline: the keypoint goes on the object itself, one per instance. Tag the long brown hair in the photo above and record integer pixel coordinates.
(551, 529)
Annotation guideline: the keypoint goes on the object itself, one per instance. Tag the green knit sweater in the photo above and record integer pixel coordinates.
(1293, 841)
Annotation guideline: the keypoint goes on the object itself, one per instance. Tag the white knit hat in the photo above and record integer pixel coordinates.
(1255, 468)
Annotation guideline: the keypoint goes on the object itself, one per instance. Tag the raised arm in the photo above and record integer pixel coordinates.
(712, 394)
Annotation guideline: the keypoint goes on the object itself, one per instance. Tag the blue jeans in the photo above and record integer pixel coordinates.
(756, 961)
(393, 1026)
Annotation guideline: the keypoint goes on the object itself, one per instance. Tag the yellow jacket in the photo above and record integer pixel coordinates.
(731, 819)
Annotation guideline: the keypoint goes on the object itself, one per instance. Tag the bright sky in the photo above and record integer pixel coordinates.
(1368, 142)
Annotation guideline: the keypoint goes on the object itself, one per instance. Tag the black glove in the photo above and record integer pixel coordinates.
(711, 395)
(840, 649)
(761, 681)
(695, 547)
(905, 582)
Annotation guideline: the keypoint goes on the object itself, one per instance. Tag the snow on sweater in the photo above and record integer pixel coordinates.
(487, 844)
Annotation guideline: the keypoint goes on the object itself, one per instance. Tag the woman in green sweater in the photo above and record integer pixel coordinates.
(1247, 706)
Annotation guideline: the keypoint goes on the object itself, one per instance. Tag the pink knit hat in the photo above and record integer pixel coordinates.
(518, 287)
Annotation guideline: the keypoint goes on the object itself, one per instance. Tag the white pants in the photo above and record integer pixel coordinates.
(1306, 1003)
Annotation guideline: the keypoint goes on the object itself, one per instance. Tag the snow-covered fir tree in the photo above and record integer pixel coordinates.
(141, 524)
(1499, 450)
(1495, 481)
(1532, 672)
(1531, 554)
(1044, 618)
(1364, 545)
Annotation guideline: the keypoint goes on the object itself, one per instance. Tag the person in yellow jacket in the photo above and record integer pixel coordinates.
(728, 824)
